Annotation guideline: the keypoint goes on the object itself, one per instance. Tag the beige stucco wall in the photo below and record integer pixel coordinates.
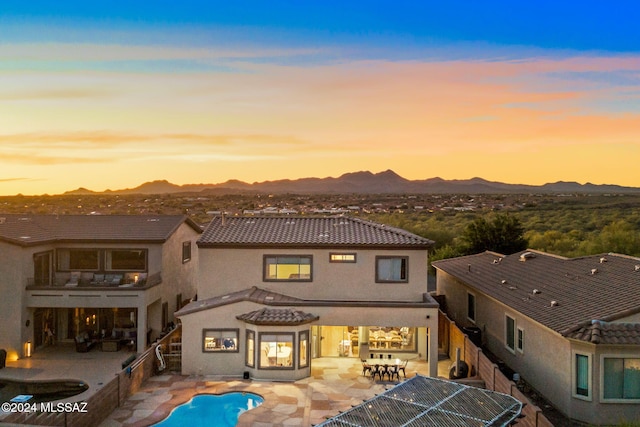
(547, 360)
(179, 277)
(228, 270)
(17, 268)
(196, 362)
(13, 332)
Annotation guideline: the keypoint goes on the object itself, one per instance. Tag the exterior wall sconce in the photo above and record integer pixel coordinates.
(28, 349)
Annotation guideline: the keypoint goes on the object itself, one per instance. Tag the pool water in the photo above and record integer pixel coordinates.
(220, 410)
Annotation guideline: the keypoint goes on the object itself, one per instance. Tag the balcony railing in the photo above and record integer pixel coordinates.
(84, 283)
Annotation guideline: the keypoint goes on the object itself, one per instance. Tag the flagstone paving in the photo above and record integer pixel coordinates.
(335, 385)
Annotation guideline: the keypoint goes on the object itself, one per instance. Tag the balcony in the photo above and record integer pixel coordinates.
(96, 282)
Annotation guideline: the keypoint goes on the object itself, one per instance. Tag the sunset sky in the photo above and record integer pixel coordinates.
(109, 95)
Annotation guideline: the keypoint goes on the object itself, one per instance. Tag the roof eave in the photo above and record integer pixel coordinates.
(209, 245)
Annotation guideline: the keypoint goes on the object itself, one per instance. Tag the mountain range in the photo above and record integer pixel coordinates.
(366, 182)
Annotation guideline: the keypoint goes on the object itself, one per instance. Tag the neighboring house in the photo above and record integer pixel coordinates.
(93, 277)
(276, 292)
(569, 327)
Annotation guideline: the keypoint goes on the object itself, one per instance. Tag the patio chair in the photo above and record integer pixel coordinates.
(74, 279)
(365, 367)
(402, 368)
(377, 370)
(393, 371)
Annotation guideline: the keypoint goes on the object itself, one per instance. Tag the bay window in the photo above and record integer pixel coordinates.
(276, 350)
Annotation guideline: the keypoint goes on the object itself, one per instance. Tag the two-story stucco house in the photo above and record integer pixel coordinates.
(276, 292)
(76, 277)
(569, 327)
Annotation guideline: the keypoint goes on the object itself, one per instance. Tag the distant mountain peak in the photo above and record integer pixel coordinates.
(367, 182)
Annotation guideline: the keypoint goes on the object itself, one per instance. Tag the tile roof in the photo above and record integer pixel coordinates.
(253, 294)
(270, 298)
(269, 231)
(558, 292)
(598, 332)
(26, 230)
(425, 401)
(277, 317)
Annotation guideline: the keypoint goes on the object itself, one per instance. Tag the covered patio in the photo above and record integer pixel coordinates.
(62, 362)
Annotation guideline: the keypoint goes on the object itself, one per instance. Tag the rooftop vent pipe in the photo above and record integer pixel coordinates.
(527, 255)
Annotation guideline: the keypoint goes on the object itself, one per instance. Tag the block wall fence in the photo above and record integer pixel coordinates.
(489, 373)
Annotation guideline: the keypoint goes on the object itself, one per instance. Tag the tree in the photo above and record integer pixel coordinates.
(503, 234)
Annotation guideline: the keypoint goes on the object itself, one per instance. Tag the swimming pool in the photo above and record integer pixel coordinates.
(208, 410)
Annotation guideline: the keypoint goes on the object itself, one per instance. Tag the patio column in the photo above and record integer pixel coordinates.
(141, 340)
(432, 346)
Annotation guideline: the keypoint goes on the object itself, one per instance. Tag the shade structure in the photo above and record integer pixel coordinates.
(422, 401)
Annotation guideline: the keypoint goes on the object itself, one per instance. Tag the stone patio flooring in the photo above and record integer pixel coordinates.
(335, 385)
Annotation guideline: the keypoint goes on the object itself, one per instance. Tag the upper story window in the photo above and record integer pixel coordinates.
(510, 332)
(342, 257)
(288, 268)
(471, 307)
(520, 341)
(126, 259)
(186, 252)
(392, 269)
(101, 259)
(77, 259)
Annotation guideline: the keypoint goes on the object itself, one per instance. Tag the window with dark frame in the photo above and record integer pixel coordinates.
(342, 257)
(471, 307)
(126, 259)
(621, 378)
(392, 269)
(101, 259)
(287, 268)
(250, 356)
(510, 333)
(186, 252)
(520, 340)
(276, 350)
(220, 340)
(303, 349)
(582, 375)
(78, 259)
